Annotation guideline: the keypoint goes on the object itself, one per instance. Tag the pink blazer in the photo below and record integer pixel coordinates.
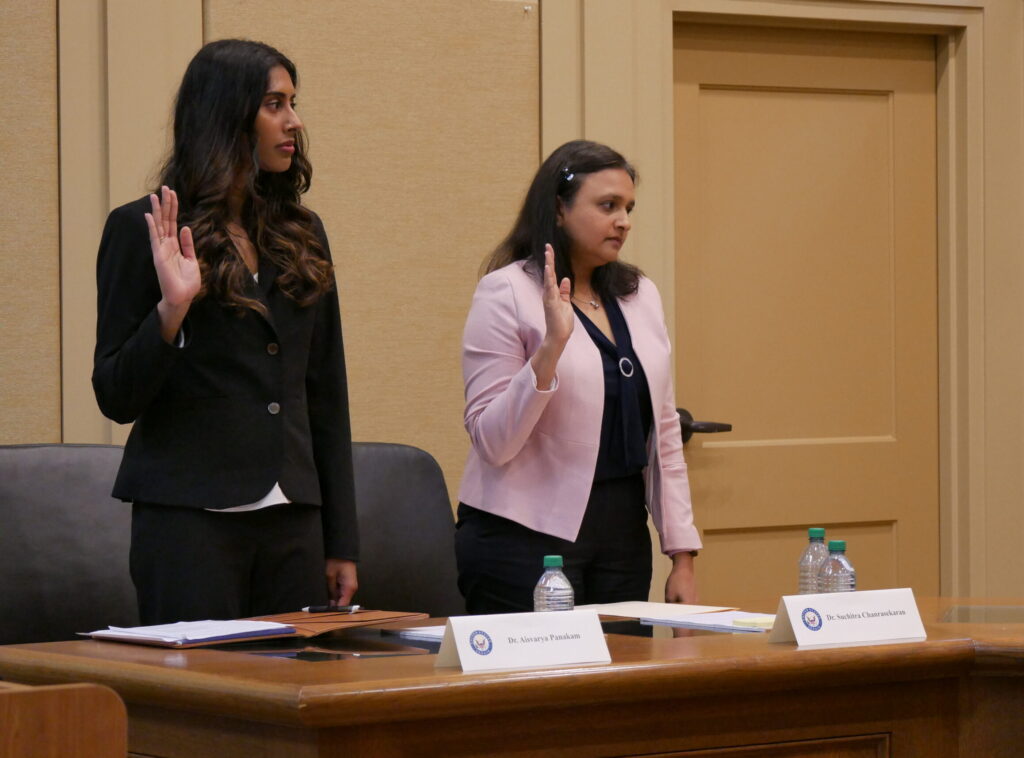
(533, 452)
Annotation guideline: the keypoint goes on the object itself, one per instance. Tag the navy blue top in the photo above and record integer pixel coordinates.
(628, 415)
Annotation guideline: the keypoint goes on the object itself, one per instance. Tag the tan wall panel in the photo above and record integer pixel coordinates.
(113, 136)
(987, 520)
(1003, 524)
(871, 547)
(84, 206)
(158, 38)
(30, 258)
(423, 124)
(561, 97)
(981, 89)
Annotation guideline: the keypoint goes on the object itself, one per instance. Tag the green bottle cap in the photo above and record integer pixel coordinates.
(816, 533)
(837, 546)
(552, 561)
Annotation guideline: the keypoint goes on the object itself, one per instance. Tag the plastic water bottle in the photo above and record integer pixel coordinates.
(811, 560)
(553, 592)
(837, 573)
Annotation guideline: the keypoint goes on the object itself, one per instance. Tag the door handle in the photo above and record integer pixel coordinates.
(691, 427)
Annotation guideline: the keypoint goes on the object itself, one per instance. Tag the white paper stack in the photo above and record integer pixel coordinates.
(423, 633)
(637, 609)
(192, 632)
(722, 621)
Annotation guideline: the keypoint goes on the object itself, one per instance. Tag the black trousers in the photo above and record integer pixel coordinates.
(190, 564)
(500, 560)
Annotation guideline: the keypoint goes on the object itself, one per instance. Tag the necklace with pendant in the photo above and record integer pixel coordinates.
(592, 303)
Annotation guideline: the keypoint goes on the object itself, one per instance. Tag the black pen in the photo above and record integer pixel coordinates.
(331, 608)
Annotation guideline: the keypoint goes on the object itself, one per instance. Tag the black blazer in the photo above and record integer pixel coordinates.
(246, 402)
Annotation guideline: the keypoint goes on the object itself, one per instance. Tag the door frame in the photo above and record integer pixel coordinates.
(600, 54)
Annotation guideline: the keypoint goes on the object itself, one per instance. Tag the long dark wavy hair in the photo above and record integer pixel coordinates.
(557, 181)
(214, 147)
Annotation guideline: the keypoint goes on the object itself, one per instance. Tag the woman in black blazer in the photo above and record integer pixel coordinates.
(222, 342)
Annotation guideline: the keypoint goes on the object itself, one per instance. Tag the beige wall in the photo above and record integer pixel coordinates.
(120, 63)
(425, 127)
(423, 137)
(29, 247)
(625, 48)
(422, 140)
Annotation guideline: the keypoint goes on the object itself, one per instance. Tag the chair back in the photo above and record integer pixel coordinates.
(63, 543)
(406, 531)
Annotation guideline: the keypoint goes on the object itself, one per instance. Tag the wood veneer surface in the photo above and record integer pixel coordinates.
(368, 690)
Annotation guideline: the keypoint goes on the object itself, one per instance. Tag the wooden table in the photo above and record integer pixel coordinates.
(61, 721)
(956, 694)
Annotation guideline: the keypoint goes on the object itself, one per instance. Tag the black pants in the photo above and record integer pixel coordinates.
(500, 560)
(190, 564)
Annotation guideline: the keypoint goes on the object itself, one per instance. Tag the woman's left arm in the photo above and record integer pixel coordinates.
(681, 585)
(673, 512)
(677, 529)
(327, 397)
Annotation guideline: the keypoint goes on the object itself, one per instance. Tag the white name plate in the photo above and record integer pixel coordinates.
(848, 618)
(523, 640)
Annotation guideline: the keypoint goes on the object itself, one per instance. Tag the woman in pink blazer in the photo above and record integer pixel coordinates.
(569, 403)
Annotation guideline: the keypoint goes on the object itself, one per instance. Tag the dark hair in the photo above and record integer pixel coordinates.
(214, 145)
(558, 180)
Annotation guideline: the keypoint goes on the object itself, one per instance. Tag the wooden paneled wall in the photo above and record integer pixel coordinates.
(423, 137)
(423, 125)
(425, 122)
(625, 50)
(30, 367)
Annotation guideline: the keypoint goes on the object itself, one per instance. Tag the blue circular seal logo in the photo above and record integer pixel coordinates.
(481, 643)
(811, 619)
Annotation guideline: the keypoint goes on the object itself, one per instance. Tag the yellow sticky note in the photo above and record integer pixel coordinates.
(757, 622)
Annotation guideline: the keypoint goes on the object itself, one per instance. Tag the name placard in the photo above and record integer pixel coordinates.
(523, 640)
(848, 618)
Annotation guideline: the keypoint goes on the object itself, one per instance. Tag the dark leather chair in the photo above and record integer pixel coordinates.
(64, 540)
(63, 543)
(407, 531)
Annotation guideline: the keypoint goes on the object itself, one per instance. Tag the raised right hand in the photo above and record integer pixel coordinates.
(176, 266)
(558, 321)
(558, 314)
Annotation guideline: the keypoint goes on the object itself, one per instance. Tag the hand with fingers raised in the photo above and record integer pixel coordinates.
(174, 258)
(558, 321)
(558, 313)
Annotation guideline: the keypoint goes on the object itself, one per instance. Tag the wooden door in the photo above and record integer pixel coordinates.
(806, 301)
